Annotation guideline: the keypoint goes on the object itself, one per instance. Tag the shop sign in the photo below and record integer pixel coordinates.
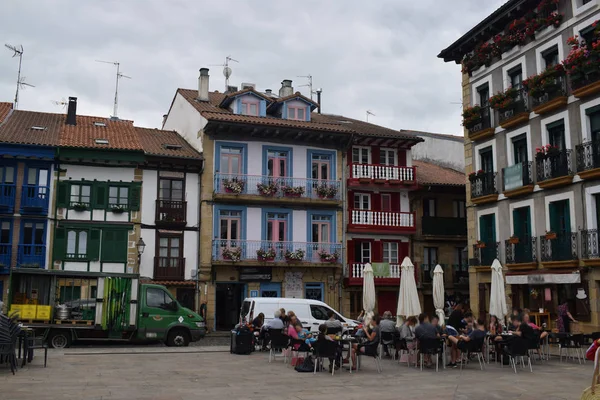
(256, 274)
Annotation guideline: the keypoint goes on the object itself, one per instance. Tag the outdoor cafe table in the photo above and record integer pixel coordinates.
(349, 340)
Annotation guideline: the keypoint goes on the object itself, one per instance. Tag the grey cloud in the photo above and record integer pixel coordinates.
(378, 55)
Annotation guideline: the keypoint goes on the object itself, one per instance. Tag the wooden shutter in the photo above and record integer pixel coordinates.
(60, 244)
(401, 157)
(62, 194)
(114, 245)
(107, 245)
(121, 245)
(93, 248)
(135, 193)
(567, 215)
(517, 223)
(100, 195)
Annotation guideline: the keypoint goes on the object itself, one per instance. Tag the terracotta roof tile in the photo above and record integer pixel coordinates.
(17, 128)
(229, 96)
(5, 109)
(155, 141)
(431, 174)
(297, 95)
(320, 122)
(121, 134)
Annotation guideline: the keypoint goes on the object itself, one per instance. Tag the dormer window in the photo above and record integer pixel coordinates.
(249, 108)
(297, 113)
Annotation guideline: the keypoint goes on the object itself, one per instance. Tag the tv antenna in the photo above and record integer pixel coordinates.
(369, 112)
(309, 84)
(226, 69)
(62, 103)
(119, 76)
(21, 84)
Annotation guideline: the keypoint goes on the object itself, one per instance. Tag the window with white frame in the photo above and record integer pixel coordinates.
(297, 113)
(77, 244)
(249, 108)
(361, 155)
(388, 157)
(390, 252)
(362, 252)
(362, 201)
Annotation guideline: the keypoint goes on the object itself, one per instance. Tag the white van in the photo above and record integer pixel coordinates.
(310, 313)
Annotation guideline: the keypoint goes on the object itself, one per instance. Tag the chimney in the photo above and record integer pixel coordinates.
(268, 92)
(319, 91)
(203, 85)
(72, 111)
(286, 88)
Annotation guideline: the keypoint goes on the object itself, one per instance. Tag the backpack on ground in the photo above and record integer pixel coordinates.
(307, 366)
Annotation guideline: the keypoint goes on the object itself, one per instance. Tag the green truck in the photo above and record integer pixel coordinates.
(65, 306)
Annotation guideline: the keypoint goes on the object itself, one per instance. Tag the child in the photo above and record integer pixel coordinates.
(303, 334)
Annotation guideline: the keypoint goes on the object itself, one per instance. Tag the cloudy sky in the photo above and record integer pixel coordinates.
(366, 55)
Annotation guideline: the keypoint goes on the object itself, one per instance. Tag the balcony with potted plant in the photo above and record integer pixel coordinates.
(559, 250)
(521, 253)
(512, 106)
(583, 65)
(553, 166)
(483, 187)
(484, 254)
(588, 159)
(477, 120)
(547, 90)
(517, 179)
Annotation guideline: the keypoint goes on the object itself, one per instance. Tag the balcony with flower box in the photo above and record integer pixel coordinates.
(559, 250)
(34, 199)
(484, 254)
(268, 253)
(7, 198)
(478, 122)
(583, 66)
(169, 268)
(521, 253)
(547, 90)
(385, 274)
(369, 221)
(171, 213)
(280, 190)
(553, 167)
(5, 258)
(590, 251)
(31, 256)
(483, 187)
(588, 160)
(512, 106)
(517, 179)
(382, 176)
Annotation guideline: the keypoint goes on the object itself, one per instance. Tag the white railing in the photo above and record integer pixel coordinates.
(392, 270)
(382, 218)
(387, 172)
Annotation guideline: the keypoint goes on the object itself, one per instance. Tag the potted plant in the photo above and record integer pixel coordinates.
(292, 191)
(79, 206)
(550, 235)
(294, 256)
(234, 185)
(267, 189)
(117, 209)
(326, 191)
(504, 100)
(480, 244)
(328, 257)
(534, 293)
(472, 176)
(265, 255)
(471, 116)
(513, 239)
(232, 253)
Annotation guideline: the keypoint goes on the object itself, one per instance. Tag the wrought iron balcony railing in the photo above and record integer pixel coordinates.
(561, 248)
(554, 165)
(483, 184)
(521, 252)
(485, 121)
(553, 89)
(270, 251)
(589, 244)
(588, 156)
(485, 253)
(520, 105)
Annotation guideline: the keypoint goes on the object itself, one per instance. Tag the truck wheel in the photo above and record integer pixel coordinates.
(178, 338)
(59, 339)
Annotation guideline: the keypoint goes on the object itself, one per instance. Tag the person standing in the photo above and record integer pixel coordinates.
(564, 318)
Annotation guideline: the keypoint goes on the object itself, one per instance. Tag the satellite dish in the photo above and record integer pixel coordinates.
(227, 72)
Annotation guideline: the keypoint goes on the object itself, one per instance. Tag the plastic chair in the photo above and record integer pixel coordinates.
(278, 342)
(370, 351)
(572, 342)
(326, 349)
(388, 339)
(474, 347)
(402, 348)
(432, 347)
(518, 348)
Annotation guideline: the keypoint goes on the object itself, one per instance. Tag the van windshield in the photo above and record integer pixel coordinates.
(245, 309)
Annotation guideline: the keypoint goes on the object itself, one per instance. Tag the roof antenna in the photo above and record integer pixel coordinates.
(21, 84)
(309, 84)
(63, 103)
(226, 70)
(369, 112)
(119, 76)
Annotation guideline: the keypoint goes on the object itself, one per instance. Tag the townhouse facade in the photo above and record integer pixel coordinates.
(531, 116)
(79, 208)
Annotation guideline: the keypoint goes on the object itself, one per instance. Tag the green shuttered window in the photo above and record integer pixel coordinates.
(99, 195)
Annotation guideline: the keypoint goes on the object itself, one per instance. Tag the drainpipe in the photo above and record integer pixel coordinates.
(50, 251)
(345, 173)
(198, 244)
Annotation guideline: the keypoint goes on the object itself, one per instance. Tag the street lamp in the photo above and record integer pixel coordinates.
(141, 246)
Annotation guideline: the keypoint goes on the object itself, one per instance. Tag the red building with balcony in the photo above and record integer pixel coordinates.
(380, 220)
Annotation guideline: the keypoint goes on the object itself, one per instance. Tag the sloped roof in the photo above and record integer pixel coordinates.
(121, 134)
(18, 128)
(230, 96)
(431, 174)
(296, 95)
(319, 122)
(5, 109)
(156, 141)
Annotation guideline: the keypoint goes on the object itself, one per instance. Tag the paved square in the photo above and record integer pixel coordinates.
(207, 373)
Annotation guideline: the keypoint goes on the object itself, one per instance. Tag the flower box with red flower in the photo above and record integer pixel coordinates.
(550, 235)
(325, 191)
(471, 116)
(232, 253)
(480, 244)
(266, 255)
(267, 189)
(331, 258)
(294, 256)
(513, 240)
(292, 191)
(504, 100)
(233, 185)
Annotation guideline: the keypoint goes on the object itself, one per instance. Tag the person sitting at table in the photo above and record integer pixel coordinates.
(332, 322)
(516, 312)
(468, 323)
(323, 337)
(408, 335)
(258, 322)
(435, 321)
(305, 335)
(387, 325)
(361, 316)
(495, 328)
(425, 330)
(462, 342)
(455, 321)
(368, 348)
(276, 322)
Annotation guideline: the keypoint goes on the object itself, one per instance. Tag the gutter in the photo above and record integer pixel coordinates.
(198, 259)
